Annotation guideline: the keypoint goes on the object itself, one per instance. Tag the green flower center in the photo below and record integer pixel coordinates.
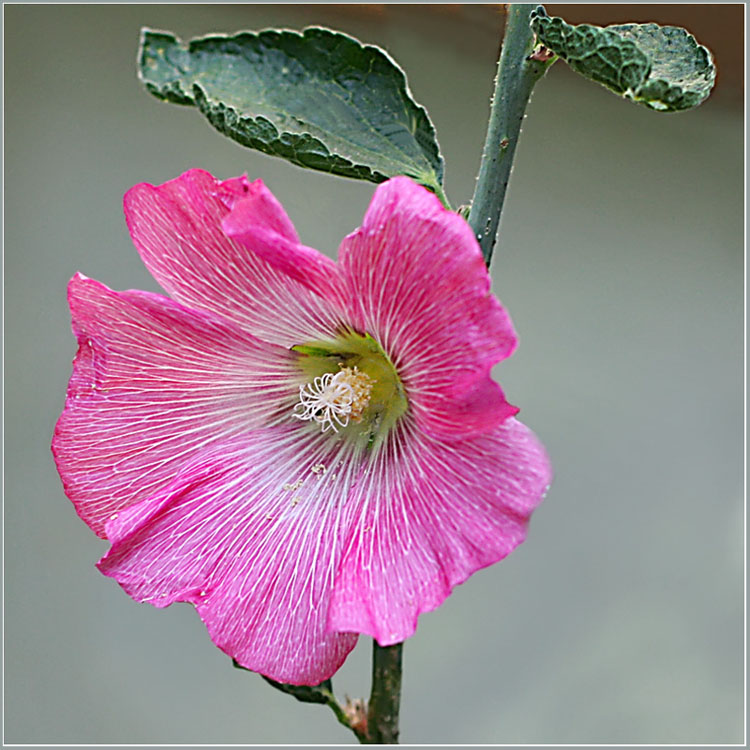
(350, 387)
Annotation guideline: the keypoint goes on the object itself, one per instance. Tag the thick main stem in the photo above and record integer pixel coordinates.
(385, 695)
(517, 73)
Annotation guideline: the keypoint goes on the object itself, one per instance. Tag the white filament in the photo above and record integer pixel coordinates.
(328, 400)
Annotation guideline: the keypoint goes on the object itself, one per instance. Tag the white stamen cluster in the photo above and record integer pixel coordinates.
(333, 400)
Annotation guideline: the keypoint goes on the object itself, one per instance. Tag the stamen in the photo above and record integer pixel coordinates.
(335, 399)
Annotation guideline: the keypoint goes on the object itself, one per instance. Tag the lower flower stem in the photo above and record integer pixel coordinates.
(517, 72)
(385, 695)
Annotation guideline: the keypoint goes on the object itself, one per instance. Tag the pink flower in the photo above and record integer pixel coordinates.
(304, 450)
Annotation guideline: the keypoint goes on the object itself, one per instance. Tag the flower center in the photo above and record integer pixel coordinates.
(350, 386)
(333, 400)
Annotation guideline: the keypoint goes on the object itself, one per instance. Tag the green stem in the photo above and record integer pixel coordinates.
(343, 717)
(352, 716)
(516, 75)
(385, 696)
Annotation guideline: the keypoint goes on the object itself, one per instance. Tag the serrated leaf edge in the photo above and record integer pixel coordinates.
(182, 98)
(648, 80)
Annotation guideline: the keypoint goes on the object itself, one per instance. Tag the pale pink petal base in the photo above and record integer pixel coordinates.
(288, 545)
(430, 517)
(251, 534)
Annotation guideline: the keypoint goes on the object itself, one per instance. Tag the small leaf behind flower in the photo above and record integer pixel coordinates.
(662, 67)
(318, 98)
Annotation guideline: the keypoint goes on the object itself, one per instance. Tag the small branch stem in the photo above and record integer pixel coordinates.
(344, 718)
(516, 76)
(385, 696)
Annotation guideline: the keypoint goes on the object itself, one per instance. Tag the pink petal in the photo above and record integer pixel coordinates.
(245, 224)
(251, 534)
(431, 515)
(153, 383)
(258, 207)
(417, 283)
(177, 230)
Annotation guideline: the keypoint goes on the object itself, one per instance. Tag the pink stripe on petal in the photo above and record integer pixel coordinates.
(418, 284)
(251, 534)
(177, 230)
(153, 383)
(431, 514)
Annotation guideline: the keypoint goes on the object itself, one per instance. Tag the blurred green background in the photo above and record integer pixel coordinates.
(620, 259)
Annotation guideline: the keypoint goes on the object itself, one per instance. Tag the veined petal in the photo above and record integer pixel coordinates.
(305, 265)
(153, 383)
(177, 230)
(179, 440)
(417, 283)
(431, 514)
(258, 207)
(251, 533)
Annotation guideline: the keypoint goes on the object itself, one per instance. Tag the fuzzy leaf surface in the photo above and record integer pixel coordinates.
(662, 67)
(318, 98)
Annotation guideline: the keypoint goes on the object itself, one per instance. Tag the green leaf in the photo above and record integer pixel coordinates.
(661, 67)
(318, 98)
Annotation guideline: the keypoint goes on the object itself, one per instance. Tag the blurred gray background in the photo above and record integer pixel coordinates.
(621, 261)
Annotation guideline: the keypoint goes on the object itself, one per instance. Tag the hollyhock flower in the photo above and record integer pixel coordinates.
(304, 450)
